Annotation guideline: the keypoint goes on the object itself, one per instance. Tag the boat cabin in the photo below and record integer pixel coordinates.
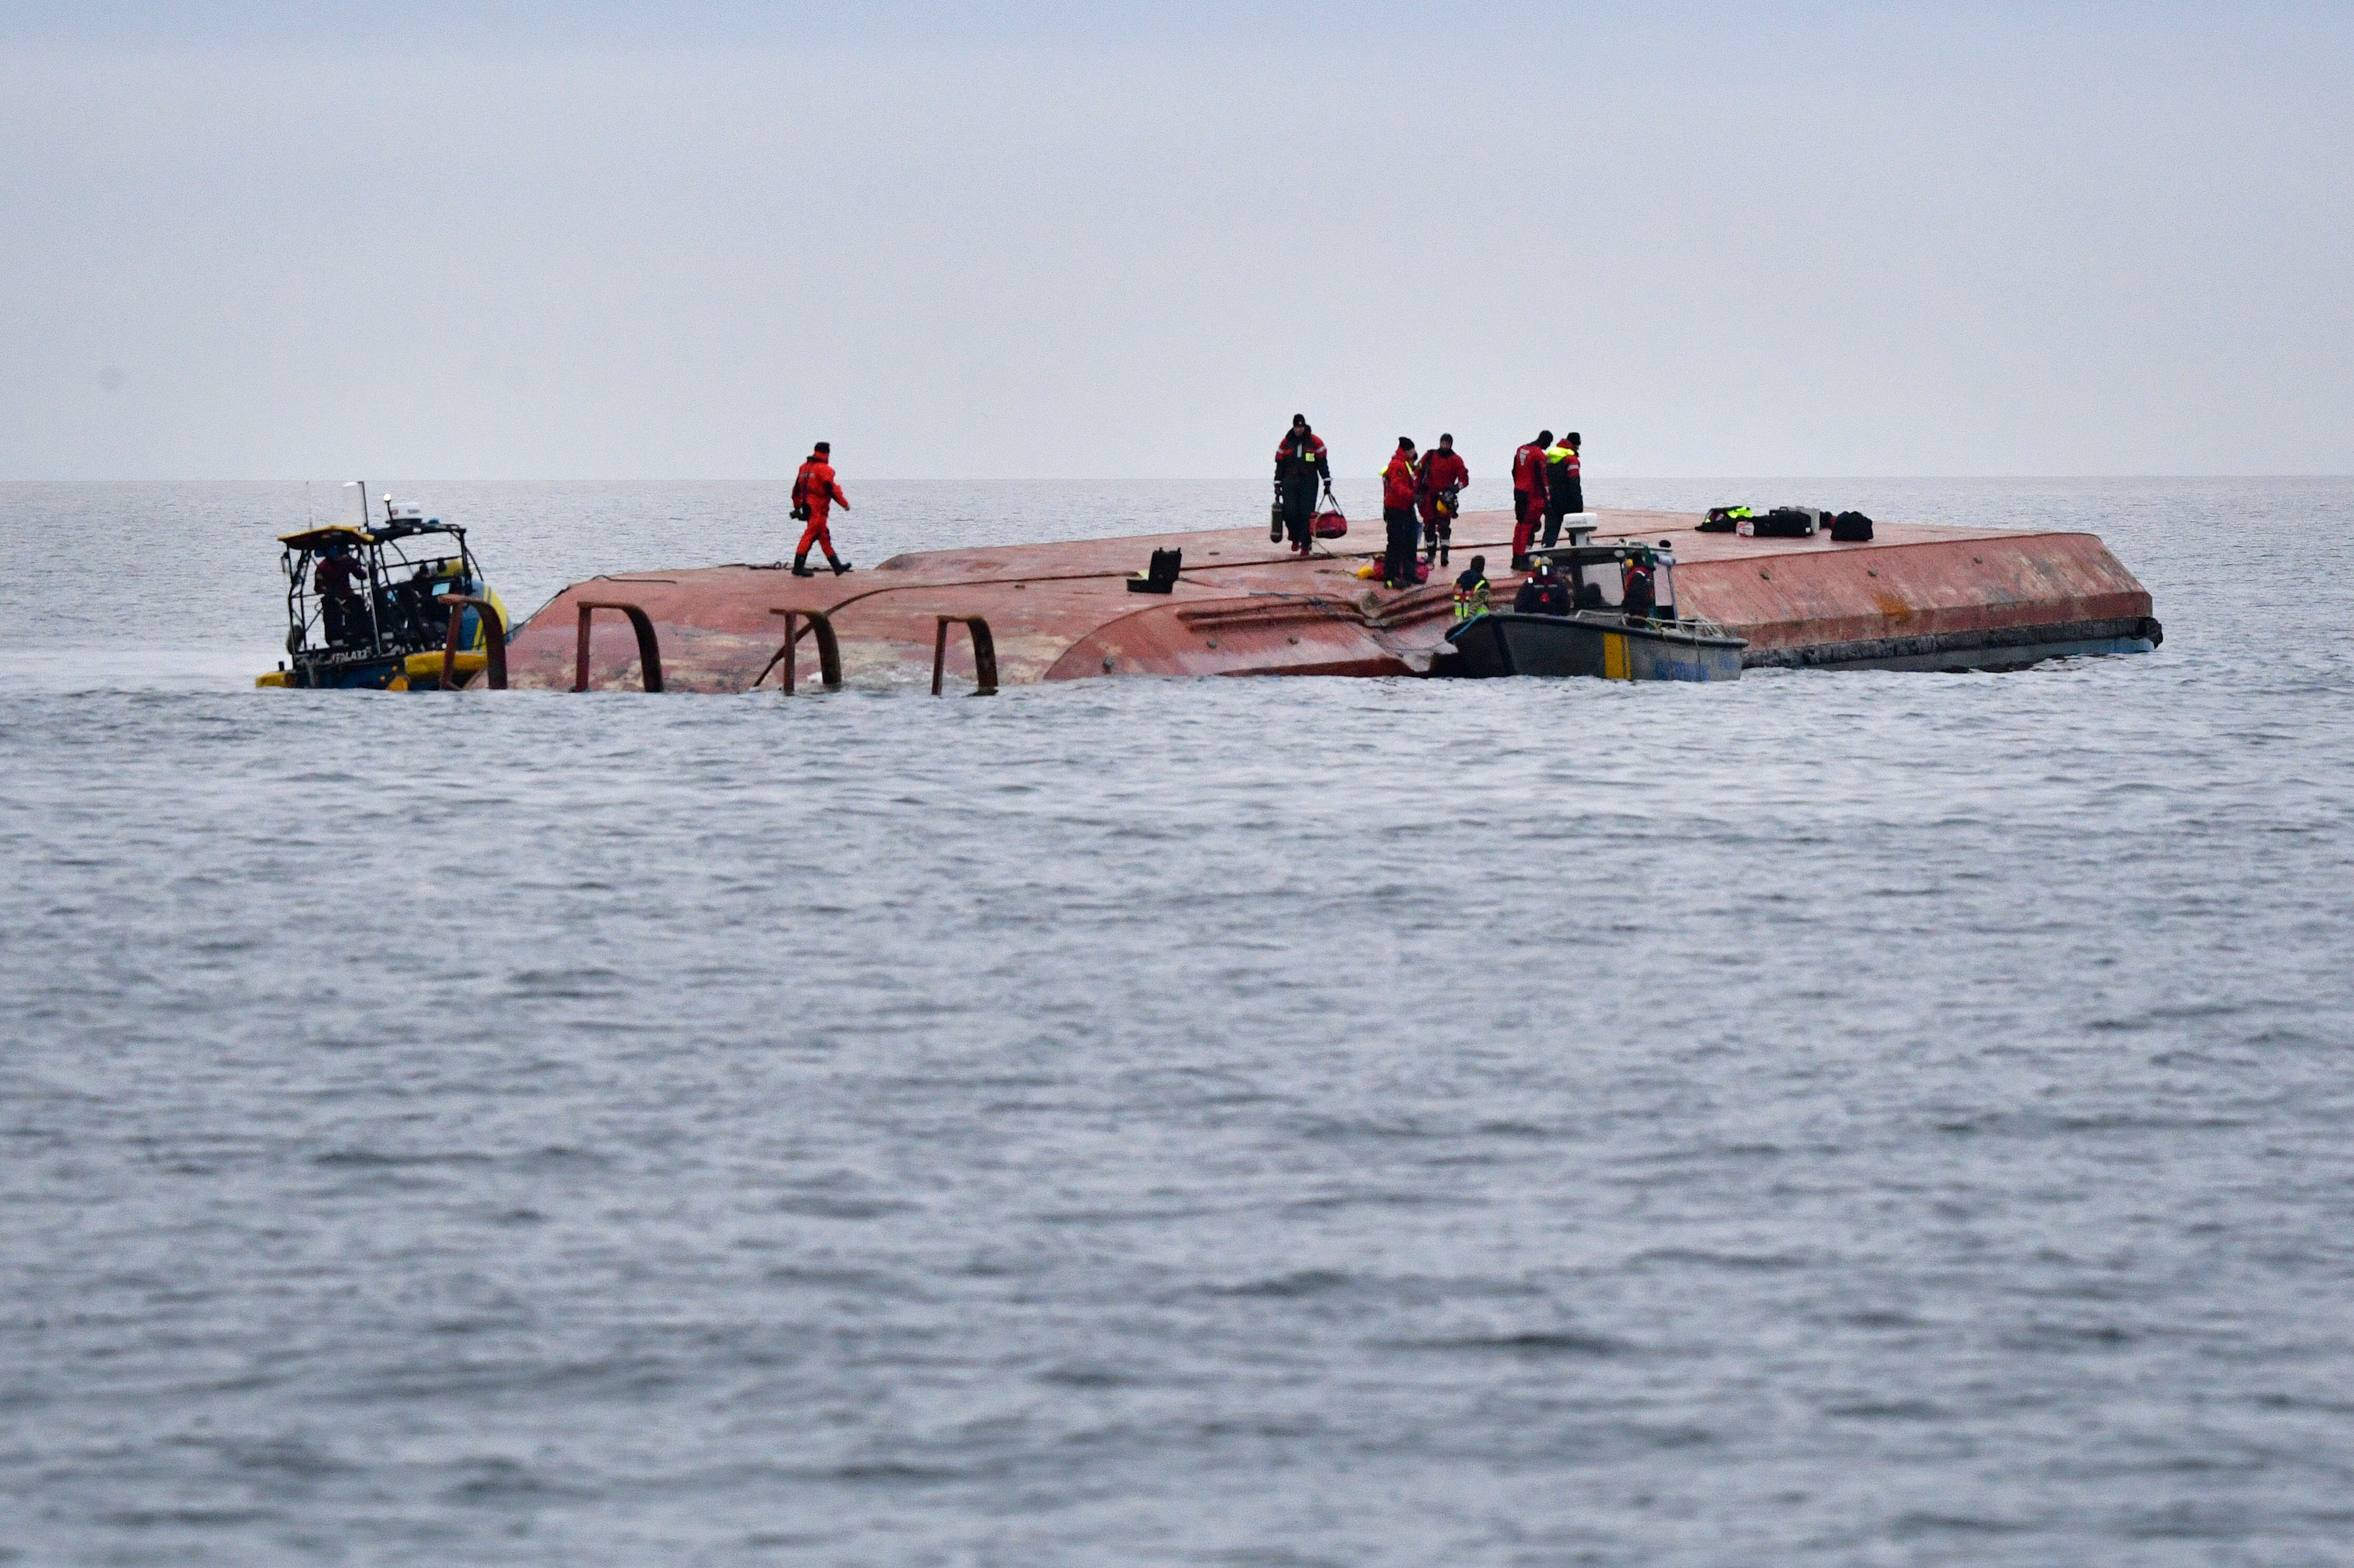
(366, 600)
(1600, 574)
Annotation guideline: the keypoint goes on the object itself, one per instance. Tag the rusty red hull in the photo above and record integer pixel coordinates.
(1063, 611)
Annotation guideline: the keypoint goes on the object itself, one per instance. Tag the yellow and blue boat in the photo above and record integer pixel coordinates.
(375, 604)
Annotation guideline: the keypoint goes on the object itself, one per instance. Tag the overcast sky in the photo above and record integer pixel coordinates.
(592, 241)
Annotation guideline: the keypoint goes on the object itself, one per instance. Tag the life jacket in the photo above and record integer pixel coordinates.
(1443, 471)
(814, 489)
(1637, 593)
(1301, 455)
(1528, 468)
(333, 577)
(1560, 477)
(1398, 482)
(1470, 600)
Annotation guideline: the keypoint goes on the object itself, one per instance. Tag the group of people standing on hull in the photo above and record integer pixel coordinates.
(1420, 496)
(1548, 484)
(1421, 493)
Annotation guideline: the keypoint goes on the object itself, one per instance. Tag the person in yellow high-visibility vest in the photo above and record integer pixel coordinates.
(1471, 590)
(1564, 485)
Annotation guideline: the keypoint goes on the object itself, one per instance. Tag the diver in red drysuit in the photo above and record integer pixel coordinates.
(1442, 470)
(814, 493)
(1527, 496)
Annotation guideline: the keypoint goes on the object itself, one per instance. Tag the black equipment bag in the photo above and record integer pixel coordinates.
(1788, 522)
(1851, 528)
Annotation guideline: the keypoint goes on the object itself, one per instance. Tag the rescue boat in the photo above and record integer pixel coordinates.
(1604, 635)
(396, 603)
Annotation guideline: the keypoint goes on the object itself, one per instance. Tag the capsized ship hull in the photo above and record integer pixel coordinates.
(1063, 611)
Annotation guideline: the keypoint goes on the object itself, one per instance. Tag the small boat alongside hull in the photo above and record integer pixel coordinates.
(1607, 646)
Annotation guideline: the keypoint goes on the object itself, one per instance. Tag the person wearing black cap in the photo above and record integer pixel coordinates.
(1301, 464)
(1399, 482)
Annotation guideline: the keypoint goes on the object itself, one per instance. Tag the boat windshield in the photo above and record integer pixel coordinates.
(1602, 584)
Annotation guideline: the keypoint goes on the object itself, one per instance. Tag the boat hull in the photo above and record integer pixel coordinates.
(1491, 646)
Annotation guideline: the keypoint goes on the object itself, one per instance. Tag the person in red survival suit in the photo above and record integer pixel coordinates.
(1399, 482)
(815, 495)
(1444, 477)
(1527, 496)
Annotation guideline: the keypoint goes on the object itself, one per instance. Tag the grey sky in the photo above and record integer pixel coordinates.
(646, 241)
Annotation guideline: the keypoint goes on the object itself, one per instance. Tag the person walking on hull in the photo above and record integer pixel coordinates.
(815, 493)
(1527, 496)
(1399, 482)
(1444, 477)
(1301, 464)
(1564, 488)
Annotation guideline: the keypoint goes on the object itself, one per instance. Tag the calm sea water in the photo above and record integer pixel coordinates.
(1862, 1118)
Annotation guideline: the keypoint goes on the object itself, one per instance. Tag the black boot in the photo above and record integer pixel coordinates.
(837, 563)
(801, 566)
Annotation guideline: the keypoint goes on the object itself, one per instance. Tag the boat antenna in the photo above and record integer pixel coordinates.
(309, 522)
